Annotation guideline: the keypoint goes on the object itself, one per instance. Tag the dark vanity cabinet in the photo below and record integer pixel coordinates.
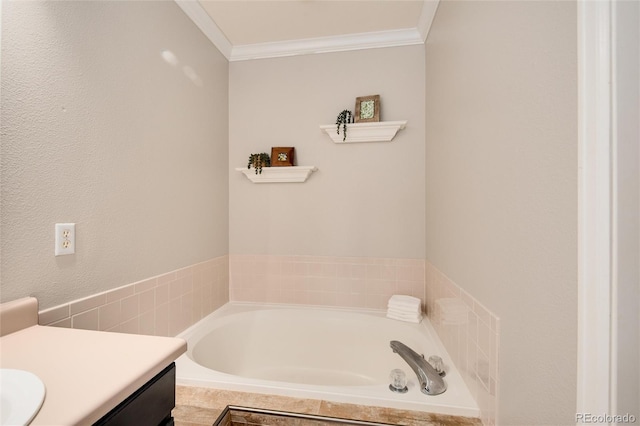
(150, 405)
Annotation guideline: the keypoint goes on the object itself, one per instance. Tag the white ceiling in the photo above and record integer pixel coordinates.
(251, 29)
(250, 22)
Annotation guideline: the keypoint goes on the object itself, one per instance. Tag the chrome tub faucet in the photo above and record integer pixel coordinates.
(430, 381)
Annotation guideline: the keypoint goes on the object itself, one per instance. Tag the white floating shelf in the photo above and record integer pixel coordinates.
(382, 131)
(278, 174)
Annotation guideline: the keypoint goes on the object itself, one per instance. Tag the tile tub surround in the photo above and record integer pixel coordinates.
(197, 406)
(163, 305)
(324, 280)
(470, 333)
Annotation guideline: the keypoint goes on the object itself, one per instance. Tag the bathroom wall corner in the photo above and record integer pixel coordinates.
(471, 335)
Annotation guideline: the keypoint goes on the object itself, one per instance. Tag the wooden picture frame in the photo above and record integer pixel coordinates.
(282, 156)
(367, 109)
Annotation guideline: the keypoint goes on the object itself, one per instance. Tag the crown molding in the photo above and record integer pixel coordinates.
(426, 17)
(201, 18)
(342, 43)
(372, 40)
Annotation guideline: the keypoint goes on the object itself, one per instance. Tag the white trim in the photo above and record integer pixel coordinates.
(613, 351)
(625, 64)
(278, 174)
(372, 40)
(426, 17)
(594, 207)
(201, 18)
(380, 131)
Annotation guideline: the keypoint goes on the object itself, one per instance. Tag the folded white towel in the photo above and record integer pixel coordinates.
(415, 319)
(404, 317)
(415, 311)
(404, 311)
(402, 299)
(405, 308)
(417, 308)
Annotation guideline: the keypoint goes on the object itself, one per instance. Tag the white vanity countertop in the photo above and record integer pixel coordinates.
(86, 373)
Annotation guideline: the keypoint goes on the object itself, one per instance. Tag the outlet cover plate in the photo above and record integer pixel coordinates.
(65, 239)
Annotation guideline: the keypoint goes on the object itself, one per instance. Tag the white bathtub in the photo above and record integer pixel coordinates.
(307, 352)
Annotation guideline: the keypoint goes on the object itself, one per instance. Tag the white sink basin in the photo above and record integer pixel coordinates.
(21, 395)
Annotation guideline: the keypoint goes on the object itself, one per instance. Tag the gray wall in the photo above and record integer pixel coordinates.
(366, 199)
(99, 129)
(501, 173)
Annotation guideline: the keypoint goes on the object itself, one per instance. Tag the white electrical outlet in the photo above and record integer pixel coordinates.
(65, 239)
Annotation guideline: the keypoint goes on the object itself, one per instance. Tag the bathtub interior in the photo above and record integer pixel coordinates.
(343, 349)
(332, 354)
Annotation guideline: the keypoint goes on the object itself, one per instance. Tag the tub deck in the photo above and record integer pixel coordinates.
(200, 406)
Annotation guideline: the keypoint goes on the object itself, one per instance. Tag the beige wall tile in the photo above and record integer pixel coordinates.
(147, 311)
(147, 300)
(129, 307)
(145, 285)
(131, 326)
(472, 343)
(54, 314)
(87, 303)
(162, 294)
(147, 323)
(109, 315)
(120, 293)
(162, 320)
(87, 320)
(66, 323)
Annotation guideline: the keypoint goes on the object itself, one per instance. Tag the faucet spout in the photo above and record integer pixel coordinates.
(430, 381)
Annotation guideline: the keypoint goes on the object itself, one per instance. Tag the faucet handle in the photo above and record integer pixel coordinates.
(398, 381)
(437, 364)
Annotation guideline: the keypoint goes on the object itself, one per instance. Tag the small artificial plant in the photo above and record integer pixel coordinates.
(343, 118)
(258, 161)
